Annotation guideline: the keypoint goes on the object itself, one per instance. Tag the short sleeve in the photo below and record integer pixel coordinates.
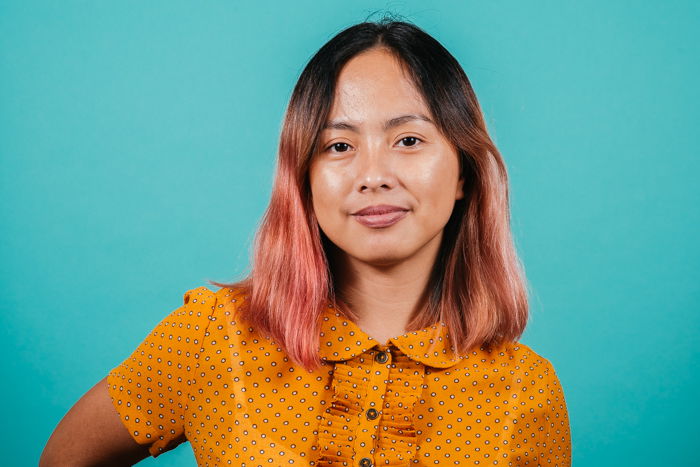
(557, 443)
(149, 389)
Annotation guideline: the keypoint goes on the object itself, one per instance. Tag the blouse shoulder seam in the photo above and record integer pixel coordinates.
(208, 294)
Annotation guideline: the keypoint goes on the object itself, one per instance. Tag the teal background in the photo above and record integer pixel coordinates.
(138, 140)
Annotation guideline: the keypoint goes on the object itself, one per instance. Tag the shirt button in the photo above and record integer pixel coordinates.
(365, 462)
(372, 414)
(382, 357)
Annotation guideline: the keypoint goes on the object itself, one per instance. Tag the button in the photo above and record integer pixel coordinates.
(372, 414)
(365, 462)
(382, 357)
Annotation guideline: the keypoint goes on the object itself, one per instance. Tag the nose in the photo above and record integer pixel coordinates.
(375, 169)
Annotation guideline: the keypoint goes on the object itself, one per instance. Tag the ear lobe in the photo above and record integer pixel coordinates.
(460, 189)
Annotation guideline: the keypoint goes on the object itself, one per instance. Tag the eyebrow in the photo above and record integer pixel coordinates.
(391, 123)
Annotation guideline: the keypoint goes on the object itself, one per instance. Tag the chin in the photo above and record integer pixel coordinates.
(380, 255)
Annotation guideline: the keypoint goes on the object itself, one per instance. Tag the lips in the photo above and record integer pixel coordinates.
(380, 216)
(378, 209)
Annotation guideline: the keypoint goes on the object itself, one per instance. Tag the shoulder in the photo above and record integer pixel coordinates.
(230, 297)
(203, 299)
(227, 302)
(207, 305)
(526, 355)
(516, 358)
(200, 306)
(227, 321)
(523, 368)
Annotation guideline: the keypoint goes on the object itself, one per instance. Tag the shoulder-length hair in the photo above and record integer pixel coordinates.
(477, 286)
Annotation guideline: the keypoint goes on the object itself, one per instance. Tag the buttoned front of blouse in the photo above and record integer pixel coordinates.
(205, 376)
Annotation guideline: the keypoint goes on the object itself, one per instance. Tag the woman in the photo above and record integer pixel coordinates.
(379, 322)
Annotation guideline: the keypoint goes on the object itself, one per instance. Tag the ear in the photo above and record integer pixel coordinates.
(460, 189)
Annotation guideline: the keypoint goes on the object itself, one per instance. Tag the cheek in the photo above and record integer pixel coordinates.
(436, 183)
(325, 192)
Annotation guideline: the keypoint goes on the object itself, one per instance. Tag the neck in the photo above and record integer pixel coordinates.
(385, 297)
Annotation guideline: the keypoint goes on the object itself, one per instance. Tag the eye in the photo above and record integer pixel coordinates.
(410, 141)
(339, 147)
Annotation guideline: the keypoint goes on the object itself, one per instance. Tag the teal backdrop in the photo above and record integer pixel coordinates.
(138, 142)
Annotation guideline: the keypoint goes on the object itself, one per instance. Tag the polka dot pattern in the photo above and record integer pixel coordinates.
(205, 376)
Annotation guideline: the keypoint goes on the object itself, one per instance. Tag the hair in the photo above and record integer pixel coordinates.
(477, 285)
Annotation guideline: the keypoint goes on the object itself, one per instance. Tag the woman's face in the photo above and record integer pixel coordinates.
(380, 147)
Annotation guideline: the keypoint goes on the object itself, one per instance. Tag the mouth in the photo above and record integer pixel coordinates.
(377, 221)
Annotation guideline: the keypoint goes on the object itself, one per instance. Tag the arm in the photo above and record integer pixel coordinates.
(91, 434)
(147, 415)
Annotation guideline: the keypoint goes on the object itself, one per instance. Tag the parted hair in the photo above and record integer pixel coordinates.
(477, 286)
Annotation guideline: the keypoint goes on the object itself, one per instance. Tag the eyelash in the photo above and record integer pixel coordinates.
(405, 137)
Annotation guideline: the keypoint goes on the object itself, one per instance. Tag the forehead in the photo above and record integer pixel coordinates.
(374, 84)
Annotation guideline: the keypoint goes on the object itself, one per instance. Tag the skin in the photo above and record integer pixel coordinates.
(383, 273)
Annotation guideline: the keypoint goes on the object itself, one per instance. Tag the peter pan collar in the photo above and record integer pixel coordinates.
(341, 339)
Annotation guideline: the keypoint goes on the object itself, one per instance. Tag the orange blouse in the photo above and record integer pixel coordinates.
(204, 376)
